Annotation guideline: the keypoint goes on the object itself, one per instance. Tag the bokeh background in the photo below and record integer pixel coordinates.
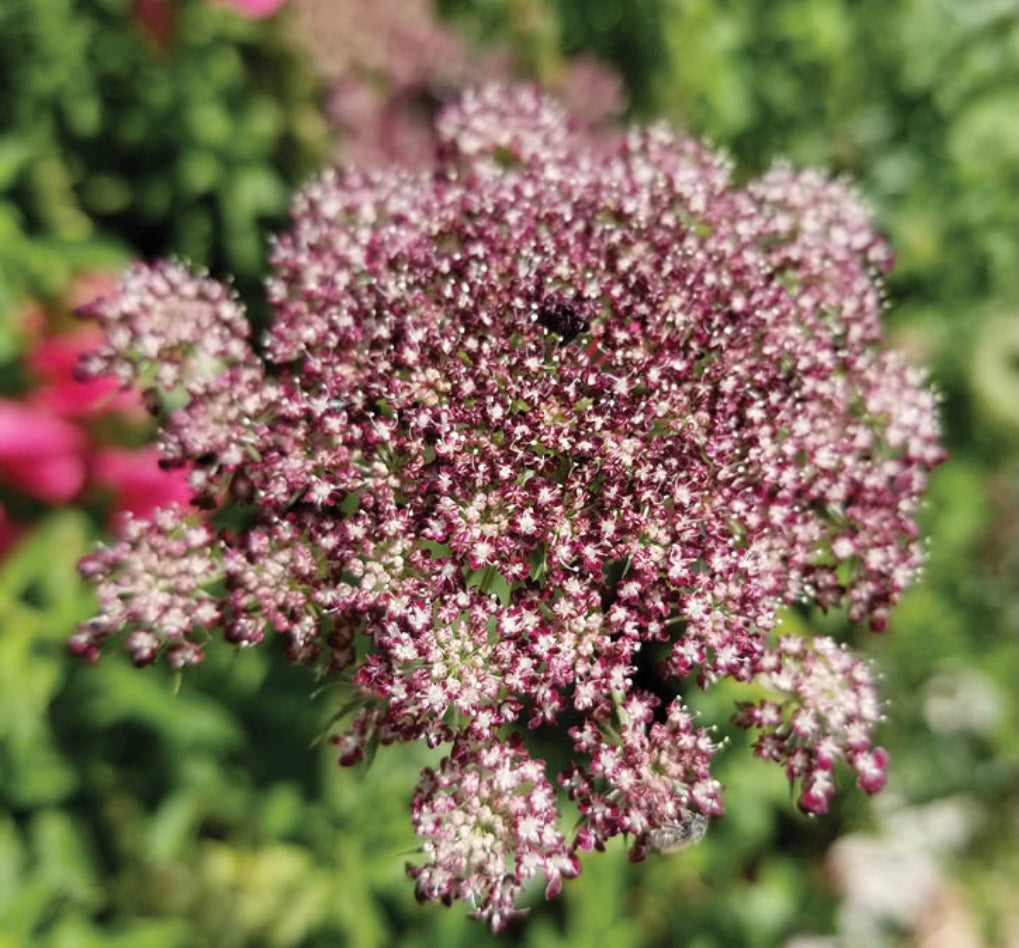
(139, 809)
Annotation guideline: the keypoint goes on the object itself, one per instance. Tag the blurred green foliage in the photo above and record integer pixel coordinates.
(138, 810)
(159, 127)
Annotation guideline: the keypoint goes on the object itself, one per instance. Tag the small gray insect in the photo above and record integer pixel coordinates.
(689, 830)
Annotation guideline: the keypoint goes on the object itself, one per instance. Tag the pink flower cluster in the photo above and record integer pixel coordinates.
(828, 711)
(490, 823)
(53, 446)
(544, 437)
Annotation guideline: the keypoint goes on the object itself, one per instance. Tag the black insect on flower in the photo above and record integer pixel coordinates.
(563, 317)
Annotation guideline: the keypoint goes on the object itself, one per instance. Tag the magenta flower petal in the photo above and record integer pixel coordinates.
(54, 362)
(254, 9)
(139, 485)
(40, 454)
(9, 532)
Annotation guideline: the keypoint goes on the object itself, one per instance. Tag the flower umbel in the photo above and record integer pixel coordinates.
(489, 821)
(546, 433)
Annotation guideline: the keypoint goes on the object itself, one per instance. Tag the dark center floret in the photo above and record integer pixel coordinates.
(562, 316)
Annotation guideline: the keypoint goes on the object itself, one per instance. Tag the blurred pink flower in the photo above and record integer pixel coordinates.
(58, 432)
(53, 361)
(254, 9)
(157, 20)
(9, 532)
(41, 455)
(139, 485)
